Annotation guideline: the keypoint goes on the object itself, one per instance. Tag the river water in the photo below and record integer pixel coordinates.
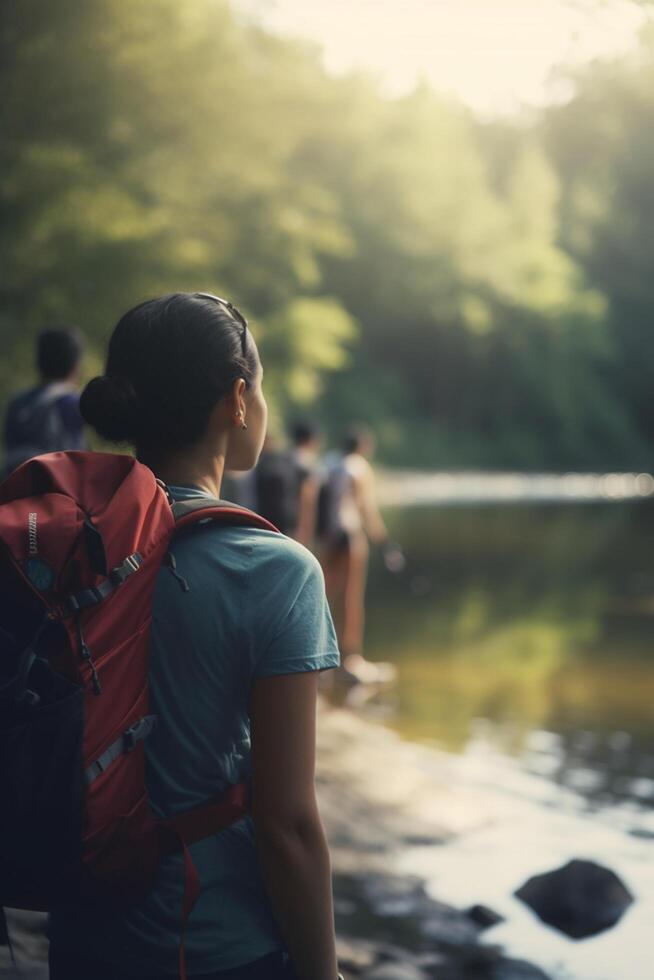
(523, 632)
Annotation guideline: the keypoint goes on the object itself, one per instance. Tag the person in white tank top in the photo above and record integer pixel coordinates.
(352, 519)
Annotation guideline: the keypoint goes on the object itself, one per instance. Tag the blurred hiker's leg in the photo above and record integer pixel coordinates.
(354, 596)
(334, 560)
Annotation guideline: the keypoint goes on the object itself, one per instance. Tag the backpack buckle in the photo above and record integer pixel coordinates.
(126, 568)
(98, 593)
(134, 562)
(138, 731)
(123, 745)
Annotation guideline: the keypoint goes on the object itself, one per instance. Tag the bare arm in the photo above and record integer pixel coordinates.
(291, 841)
(364, 491)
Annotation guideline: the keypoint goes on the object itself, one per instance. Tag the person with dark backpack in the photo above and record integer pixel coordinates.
(286, 483)
(277, 481)
(46, 417)
(159, 655)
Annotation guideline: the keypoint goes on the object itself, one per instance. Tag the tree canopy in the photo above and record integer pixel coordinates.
(479, 292)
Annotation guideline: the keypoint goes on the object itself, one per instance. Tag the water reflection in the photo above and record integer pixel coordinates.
(530, 627)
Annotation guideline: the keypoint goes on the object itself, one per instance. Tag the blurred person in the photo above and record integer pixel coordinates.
(306, 442)
(46, 418)
(348, 519)
(276, 485)
(286, 483)
(233, 675)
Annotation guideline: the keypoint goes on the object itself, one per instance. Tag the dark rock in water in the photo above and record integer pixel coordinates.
(484, 917)
(580, 899)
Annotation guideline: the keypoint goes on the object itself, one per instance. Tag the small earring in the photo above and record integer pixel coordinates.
(242, 420)
(244, 425)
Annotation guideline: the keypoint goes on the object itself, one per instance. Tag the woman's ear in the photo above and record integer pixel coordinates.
(229, 412)
(236, 401)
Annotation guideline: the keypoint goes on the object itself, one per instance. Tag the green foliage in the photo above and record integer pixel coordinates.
(159, 157)
(302, 341)
(602, 145)
(480, 293)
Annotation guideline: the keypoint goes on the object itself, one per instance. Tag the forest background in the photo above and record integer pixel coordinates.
(481, 293)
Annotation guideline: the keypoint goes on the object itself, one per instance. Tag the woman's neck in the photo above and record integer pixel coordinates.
(190, 469)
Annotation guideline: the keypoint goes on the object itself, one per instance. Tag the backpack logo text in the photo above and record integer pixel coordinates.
(31, 530)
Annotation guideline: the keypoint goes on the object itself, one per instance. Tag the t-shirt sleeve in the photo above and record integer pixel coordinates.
(303, 638)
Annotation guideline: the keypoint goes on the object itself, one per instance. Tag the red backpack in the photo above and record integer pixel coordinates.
(82, 538)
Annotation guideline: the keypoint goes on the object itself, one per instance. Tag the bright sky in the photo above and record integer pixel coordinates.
(497, 55)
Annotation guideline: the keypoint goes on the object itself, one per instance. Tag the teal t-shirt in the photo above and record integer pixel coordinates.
(255, 607)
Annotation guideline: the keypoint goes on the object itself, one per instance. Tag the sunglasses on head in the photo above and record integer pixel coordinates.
(234, 313)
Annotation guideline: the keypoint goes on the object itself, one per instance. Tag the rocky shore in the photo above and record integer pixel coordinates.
(379, 796)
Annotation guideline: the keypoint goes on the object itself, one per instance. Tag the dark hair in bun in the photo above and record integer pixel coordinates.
(170, 360)
(109, 404)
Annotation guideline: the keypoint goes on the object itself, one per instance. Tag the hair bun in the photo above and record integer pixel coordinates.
(110, 406)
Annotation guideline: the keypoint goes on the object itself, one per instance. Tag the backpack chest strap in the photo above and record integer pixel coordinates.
(91, 597)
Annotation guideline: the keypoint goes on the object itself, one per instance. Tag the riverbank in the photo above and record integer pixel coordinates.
(381, 797)
(419, 836)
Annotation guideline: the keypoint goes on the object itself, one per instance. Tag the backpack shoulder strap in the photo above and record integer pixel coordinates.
(201, 509)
